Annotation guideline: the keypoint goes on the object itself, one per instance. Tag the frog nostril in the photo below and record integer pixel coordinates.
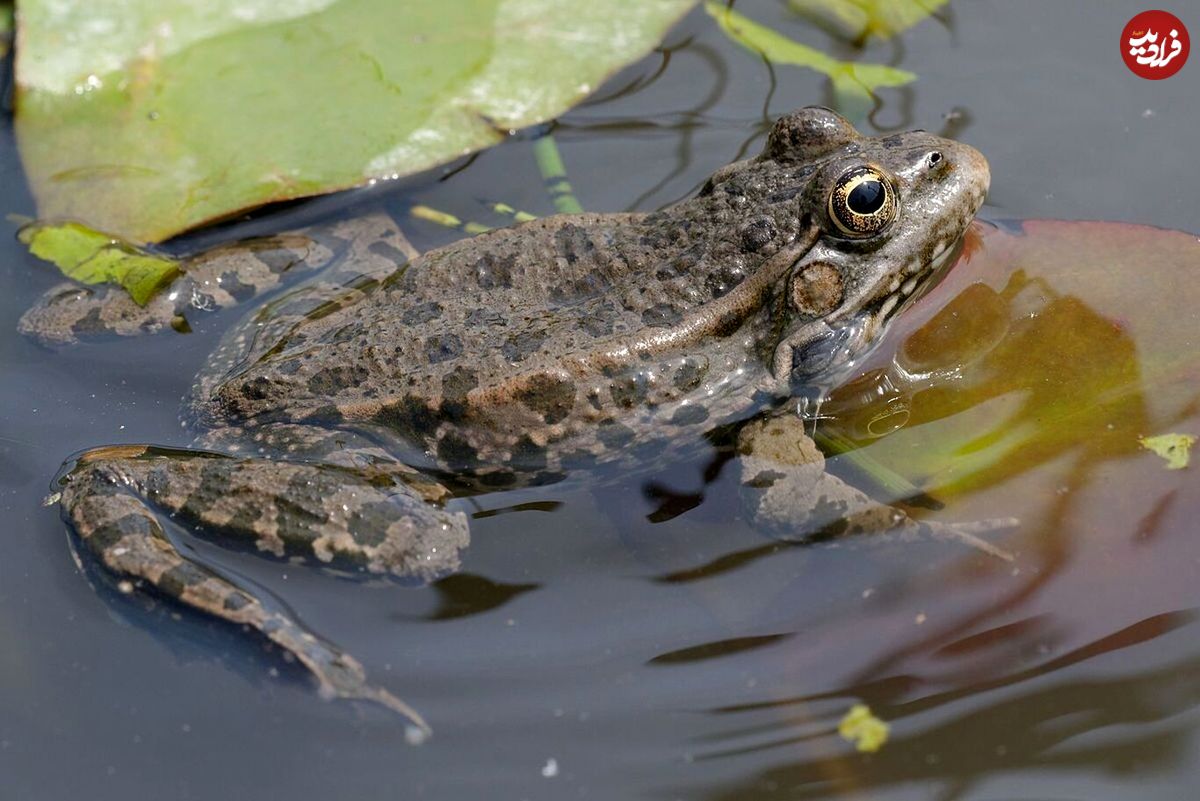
(934, 159)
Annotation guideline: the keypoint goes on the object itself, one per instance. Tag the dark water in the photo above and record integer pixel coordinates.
(689, 658)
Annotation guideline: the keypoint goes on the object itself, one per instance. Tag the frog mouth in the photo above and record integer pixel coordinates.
(847, 339)
(910, 285)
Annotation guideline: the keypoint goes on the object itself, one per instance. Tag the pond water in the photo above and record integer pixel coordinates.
(590, 648)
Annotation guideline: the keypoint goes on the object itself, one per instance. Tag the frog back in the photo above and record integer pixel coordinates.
(525, 334)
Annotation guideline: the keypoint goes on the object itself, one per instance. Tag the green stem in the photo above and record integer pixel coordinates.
(890, 482)
(550, 165)
(508, 211)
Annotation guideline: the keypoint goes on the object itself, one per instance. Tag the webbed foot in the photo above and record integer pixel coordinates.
(788, 493)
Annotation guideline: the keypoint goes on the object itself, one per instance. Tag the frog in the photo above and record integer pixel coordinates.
(345, 422)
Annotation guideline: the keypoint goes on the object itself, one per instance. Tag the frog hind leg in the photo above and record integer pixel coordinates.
(788, 492)
(114, 499)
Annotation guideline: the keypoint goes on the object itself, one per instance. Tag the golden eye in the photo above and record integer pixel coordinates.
(862, 203)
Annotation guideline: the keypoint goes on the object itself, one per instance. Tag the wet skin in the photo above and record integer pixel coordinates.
(331, 421)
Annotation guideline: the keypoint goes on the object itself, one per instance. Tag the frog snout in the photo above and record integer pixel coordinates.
(976, 172)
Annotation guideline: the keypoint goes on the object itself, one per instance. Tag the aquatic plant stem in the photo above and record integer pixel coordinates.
(890, 482)
(554, 173)
(446, 219)
(500, 207)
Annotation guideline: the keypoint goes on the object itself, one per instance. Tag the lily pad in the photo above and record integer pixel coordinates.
(150, 117)
(91, 257)
(854, 84)
(1046, 352)
(858, 20)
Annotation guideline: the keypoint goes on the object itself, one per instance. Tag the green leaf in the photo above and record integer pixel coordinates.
(91, 257)
(857, 20)
(180, 113)
(853, 84)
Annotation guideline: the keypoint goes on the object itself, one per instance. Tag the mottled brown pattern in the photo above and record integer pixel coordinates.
(605, 304)
(105, 500)
(514, 358)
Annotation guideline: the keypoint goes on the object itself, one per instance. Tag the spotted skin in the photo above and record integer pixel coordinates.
(115, 497)
(329, 514)
(516, 357)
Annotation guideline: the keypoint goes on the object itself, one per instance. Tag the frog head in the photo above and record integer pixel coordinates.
(882, 214)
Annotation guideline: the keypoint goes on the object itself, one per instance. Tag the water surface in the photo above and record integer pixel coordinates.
(588, 651)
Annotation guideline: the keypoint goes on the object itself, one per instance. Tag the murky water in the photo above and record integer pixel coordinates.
(589, 651)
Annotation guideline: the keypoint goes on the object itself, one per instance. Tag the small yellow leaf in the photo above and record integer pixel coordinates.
(1175, 448)
(867, 732)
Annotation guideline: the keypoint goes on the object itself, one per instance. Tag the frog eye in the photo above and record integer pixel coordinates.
(862, 203)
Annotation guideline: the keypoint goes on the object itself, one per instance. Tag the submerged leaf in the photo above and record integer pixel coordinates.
(1174, 448)
(179, 112)
(853, 84)
(1042, 356)
(867, 732)
(857, 20)
(91, 257)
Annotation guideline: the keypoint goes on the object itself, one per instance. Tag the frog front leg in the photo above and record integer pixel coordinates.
(788, 493)
(371, 246)
(118, 500)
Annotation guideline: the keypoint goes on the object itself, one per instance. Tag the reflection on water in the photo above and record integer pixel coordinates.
(725, 562)
(465, 594)
(712, 650)
(1037, 728)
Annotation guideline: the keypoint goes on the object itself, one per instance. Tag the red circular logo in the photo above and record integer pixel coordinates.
(1155, 45)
